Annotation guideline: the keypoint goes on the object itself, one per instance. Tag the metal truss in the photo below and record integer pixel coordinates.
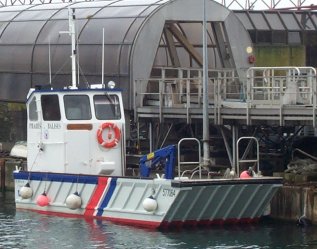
(269, 4)
(231, 4)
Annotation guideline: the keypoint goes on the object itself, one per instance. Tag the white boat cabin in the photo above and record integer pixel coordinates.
(78, 131)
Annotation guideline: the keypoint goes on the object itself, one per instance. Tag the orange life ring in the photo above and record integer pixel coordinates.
(113, 140)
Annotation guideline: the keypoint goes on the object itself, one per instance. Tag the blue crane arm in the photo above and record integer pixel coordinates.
(163, 157)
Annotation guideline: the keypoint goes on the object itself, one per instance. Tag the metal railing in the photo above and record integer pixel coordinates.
(242, 160)
(281, 85)
(262, 87)
(180, 162)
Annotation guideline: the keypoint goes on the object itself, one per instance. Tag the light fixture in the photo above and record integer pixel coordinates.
(111, 84)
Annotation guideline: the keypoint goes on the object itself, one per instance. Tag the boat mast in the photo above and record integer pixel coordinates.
(49, 60)
(103, 59)
(72, 33)
(206, 155)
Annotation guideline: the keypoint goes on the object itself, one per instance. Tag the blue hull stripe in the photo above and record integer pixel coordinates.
(107, 197)
(55, 177)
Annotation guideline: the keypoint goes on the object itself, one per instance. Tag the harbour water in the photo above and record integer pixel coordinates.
(24, 229)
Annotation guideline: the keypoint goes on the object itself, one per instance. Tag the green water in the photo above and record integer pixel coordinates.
(24, 229)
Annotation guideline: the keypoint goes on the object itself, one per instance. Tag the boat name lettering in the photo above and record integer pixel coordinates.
(53, 126)
(19, 181)
(35, 126)
(168, 192)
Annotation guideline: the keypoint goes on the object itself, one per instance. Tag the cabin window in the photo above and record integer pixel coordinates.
(77, 107)
(50, 108)
(33, 110)
(107, 107)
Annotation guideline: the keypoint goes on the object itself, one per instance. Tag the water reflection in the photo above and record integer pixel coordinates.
(23, 229)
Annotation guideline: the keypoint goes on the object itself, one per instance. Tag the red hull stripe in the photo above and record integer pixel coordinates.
(112, 183)
(154, 224)
(94, 200)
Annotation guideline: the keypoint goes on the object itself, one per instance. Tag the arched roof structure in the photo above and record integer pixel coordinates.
(139, 35)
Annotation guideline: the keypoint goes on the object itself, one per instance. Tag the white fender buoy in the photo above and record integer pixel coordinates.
(73, 201)
(42, 200)
(26, 192)
(149, 204)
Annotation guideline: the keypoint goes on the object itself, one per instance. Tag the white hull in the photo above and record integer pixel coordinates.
(190, 202)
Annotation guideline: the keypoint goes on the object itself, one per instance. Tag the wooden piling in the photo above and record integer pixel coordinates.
(2, 174)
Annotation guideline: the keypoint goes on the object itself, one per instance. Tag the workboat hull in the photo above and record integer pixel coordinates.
(121, 199)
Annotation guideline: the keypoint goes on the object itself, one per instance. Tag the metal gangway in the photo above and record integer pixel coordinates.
(259, 94)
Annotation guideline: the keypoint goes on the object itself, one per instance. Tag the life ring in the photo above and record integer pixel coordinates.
(112, 140)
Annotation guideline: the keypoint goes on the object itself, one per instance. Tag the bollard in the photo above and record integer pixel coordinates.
(2, 175)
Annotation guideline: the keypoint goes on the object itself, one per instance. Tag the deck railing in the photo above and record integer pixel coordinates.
(261, 87)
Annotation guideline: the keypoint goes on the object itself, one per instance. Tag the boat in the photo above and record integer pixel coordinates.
(76, 167)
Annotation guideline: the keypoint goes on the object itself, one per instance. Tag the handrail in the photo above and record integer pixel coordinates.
(257, 160)
(263, 86)
(179, 155)
(304, 153)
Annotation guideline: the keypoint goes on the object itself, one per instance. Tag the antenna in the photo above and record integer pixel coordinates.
(49, 60)
(73, 38)
(103, 59)
(72, 33)
(77, 59)
(205, 91)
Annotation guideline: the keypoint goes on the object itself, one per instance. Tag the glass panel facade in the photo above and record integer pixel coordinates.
(107, 107)
(62, 14)
(112, 56)
(26, 38)
(264, 36)
(243, 17)
(122, 11)
(50, 108)
(16, 91)
(7, 16)
(314, 18)
(259, 21)
(14, 58)
(304, 19)
(16, 8)
(93, 4)
(133, 29)
(294, 38)
(20, 32)
(51, 32)
(274, 21)
(92, 51)
(85, 13)
(77, 107)
(124, 59)
(115, 30)
(60, 58)
(2, 26)
(134, 2)
(149, 10)
(51, 6)
(290, 21)
(58, 80)
(32, 15)
(279, 36)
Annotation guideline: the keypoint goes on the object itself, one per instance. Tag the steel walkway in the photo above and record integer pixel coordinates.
(284, 96)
